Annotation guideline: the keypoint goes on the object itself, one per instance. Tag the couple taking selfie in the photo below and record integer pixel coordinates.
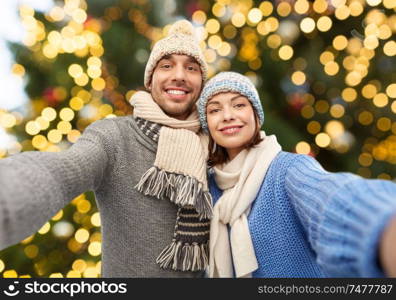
(191, 186)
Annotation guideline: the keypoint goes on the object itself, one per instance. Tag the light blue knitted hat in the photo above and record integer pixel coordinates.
(228, 82)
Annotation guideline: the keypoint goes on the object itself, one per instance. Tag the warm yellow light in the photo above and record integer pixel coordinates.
(58, 216)
(391, 90)
(284, 9)
(307, 25)
(229, 31)
(57, 13)
(298, 78)
(380, 100)
(212, 26)
(18, 70)
(373, 2)
(76, 103)
(49, 113)
(199, 17)
(390, 48)
(79, 265)
(64, 127)
(340, 42)
(369, 91)
(365, 118)
(393, 107)
(218, 10)
(255, 15)
(384, 124)
(322, 106)
(371, 42)
(39, 142)
(94, 248)
(365, 159)
(7, 120)
(322, 140)
(98, 84)
(324, 23)
(272, 24)
(331, 68)
(45, 228)
(303, 148)
(81, 235)
(54, 136)
(238, 19)
(285, 52)
(66, 114)
(301, 6)
(353, 78)
(334, 128)
(274, 41)
(337, 111)
(349, 94)
(307, 112)
(75, 70)
(32, 128)
(326, 57)
(95, 219)
(342, 12)
(10, 274)
(266, 8)
(389, 4)
(313, 127)
(356, 8)
(79, 16)
(214, 42)
(225, 49)
(320, 6)
(82, 80)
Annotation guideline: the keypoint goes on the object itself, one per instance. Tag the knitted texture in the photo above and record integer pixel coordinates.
(109, 159)
(307, 222)
(181, 39)
(228, 82)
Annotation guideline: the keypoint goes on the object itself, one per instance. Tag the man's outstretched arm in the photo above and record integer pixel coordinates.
(35, 185)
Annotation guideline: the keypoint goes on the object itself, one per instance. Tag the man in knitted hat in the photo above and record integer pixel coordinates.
(147, 171)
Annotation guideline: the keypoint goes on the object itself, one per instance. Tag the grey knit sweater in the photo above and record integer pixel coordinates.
(109, 159)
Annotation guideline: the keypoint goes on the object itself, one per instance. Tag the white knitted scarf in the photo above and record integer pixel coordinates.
(240, 179)
(179, 174)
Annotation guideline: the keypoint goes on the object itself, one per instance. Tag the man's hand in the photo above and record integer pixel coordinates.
(387, 249)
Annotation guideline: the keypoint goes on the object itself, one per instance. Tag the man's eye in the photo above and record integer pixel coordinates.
(166, 66)
(192, 68)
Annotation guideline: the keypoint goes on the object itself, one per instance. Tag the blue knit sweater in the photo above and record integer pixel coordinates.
(307, 222)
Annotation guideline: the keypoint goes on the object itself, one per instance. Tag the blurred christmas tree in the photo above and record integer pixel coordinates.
(325, 71)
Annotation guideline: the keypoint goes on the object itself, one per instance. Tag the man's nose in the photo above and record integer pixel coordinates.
(178, 73)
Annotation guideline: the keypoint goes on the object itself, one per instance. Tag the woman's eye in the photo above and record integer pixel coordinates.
(167, 66)
(211, 111)
(240, 105)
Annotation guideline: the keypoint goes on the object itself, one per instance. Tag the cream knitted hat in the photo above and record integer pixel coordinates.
(180, 40)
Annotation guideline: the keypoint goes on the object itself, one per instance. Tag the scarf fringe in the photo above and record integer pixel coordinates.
(184, 257)
(178, 188)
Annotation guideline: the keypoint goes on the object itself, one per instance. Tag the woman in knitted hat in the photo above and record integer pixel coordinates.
(279, 214)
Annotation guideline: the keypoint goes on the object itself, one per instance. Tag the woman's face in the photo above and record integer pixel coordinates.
(231, 121)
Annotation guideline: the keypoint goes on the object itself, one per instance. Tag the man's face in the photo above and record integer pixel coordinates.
(176, 85)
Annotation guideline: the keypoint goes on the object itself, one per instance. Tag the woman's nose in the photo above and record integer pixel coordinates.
(227, 114)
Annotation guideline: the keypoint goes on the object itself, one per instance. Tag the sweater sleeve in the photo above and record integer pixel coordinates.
(35, 185)
(343, 214)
